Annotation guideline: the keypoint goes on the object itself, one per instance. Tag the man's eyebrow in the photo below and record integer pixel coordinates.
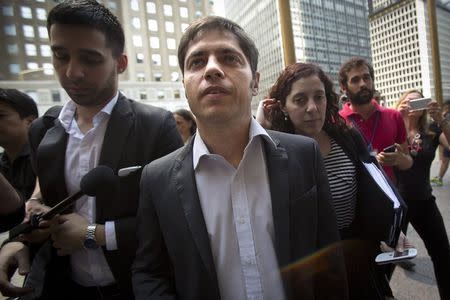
(85, 51)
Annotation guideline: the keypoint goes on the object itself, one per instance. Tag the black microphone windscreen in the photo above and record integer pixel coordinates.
(98, 180)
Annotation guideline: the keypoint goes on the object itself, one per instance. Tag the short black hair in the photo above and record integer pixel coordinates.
(218, 23)
(90, 13)
(23, 104)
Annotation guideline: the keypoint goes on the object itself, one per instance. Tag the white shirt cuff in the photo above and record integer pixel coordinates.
(110, 236)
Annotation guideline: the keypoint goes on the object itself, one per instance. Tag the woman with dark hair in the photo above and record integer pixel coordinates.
(186, 124)
(302, 101)
(414, 183)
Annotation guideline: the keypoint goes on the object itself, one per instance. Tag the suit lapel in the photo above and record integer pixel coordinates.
(51, 160)
(277, 165)
(188, 196)
(116, 133)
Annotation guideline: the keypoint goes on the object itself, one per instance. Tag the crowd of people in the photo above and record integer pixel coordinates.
(214, 203)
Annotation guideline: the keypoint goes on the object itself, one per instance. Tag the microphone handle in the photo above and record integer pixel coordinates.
(58, 208)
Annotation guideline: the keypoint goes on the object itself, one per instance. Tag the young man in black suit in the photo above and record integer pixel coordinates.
(94, 243)
(227, 215)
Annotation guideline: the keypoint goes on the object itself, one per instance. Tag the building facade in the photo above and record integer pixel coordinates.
(152, 31)
(401, 49)
(325, 32)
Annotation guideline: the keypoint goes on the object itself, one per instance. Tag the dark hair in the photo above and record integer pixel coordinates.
(282, 88)
(90, 13)
(218, 23)
(23, 104)
(188, 116)
(347, 66)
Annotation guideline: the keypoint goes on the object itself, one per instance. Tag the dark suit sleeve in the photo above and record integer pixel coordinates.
(152, 275)
(331, 284)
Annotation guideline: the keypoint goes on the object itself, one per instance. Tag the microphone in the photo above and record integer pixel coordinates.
(98, 180)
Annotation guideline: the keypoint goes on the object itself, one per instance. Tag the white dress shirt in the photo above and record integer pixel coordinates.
(89, 267)
(237, 208)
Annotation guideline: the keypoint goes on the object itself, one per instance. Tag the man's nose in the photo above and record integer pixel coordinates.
(74, 70)
(213, 70)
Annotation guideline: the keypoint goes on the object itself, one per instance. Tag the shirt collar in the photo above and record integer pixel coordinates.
(200, 149)
(66, 116)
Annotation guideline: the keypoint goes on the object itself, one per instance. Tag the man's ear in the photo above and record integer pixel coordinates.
(122, 63)
(255, 84)
(29, 120)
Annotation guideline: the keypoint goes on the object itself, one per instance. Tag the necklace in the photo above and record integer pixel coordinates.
(415, 144)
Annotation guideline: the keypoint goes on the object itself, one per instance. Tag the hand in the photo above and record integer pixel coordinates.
(68, 233)
(262, 113)
(435, 112)
(392, 158)
(403, 108)
(13, 255)
(402, 243)
(40, 234)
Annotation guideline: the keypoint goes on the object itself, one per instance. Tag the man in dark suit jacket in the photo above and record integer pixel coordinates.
(238, 213)
(94, 243)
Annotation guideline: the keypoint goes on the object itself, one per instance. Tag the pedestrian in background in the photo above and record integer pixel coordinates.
(414, 184)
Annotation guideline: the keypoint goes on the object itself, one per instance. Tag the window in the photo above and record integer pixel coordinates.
(143, 95)
(48, 69)
(41, 14)
(152, 25)
(184, 26)
(43, 33)
(171, 44)
(13, 49)
(154, 42)
(173, 60)
(156, 59)
(167, 10)
(56, 97)
(134, 4)
(25, 12)
(32, 66)
(139, 58)
(8, 11)
(30, 50)
(14, 68)
(28, 31)
(151, 8)
(157, 77)
(169, 27)
(136, 22)
(10, 30)
(140, 77)
(137, 41)
(174, 76)
(184, 12)
(46, 51)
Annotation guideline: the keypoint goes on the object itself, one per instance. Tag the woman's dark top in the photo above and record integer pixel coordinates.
(414, 183)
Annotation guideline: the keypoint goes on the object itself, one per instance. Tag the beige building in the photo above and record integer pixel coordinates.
(152, 31)
(401, 50)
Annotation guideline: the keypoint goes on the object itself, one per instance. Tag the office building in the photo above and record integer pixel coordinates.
(325, 32)
(152, 31)
(401, 49)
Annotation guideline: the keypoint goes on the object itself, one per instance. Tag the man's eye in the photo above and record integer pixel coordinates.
(194, 63)
(91, 60)
(60, 56)
(231, 59)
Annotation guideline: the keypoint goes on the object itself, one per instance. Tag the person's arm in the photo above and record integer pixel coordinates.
(151, 272)
(13, 255)
(10, 200)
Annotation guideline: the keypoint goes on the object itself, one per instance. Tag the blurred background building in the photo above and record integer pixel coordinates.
(152, 31)
(326, 32)
(401, 49)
